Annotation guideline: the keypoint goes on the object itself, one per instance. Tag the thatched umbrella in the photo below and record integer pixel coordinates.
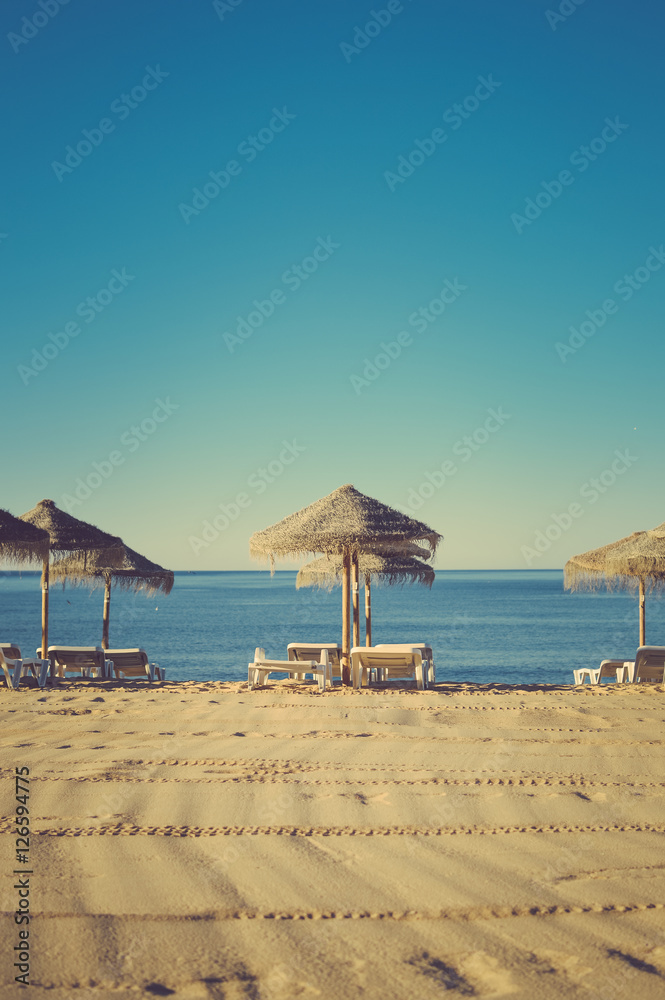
(21, 542)
(326, 572)
(135, 572)
(343, 523)
(634, 562)
(69, 536)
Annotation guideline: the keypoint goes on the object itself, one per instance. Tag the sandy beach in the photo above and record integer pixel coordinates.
(197, 840)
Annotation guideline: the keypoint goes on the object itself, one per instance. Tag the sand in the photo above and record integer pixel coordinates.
(202, 841)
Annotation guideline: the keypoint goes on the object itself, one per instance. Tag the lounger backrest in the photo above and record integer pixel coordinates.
(127, 659)
(401, 645)
(312, 651)
(76, 657)
(425, 648)
(650, 663)
(388, 659)
(11, 651)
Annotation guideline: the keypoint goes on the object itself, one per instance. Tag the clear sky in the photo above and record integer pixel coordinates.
(501, 161)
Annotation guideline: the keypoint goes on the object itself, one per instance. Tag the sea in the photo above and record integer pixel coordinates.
(507, 627)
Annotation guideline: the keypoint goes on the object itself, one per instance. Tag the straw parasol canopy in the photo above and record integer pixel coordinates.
(407, 549)
(632, 563)
(326, 571)
(69, 537)
(21, 542)
(135, 572)
(344, 520)
(344, 523)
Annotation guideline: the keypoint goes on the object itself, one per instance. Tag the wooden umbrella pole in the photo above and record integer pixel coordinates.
(45, 579)
(107, 613)
(368, 611)
(643, 616)
(346, 618)
(355, 587)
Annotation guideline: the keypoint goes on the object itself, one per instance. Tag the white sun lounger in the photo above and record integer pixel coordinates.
(390, 664)
(614, 669)
(312, 651)
(84, 660)
(134, 663)
(14, 667)
(425, 652)
(649, 665)
(261, 668)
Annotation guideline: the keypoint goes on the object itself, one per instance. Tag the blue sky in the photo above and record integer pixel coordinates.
(562, 109)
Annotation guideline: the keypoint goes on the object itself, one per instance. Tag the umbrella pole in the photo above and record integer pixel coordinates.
(346, 618)
(45, 579)
(642, 614)
(356, 599)
(107, 612)
(368, 611)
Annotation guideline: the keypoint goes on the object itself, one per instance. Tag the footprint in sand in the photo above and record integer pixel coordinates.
(558, 962)
(471, 974)
(443, 973)
(486, 975)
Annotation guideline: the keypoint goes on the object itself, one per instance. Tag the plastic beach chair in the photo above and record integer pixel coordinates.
(261, 668)
(390, 664)
(88, 661)
(312, 651)
(425, 652)
(648, 665)
(134, 663)
(14, 667)
(613, 669)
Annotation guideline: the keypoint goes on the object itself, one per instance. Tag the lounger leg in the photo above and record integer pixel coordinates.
(43, 673)
(18, 670)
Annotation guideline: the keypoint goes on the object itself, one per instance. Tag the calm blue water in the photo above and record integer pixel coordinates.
(511, 626)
